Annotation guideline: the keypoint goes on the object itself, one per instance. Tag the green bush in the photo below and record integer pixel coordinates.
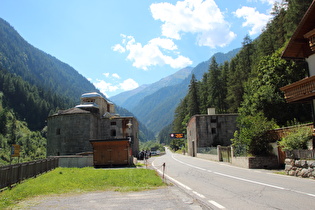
(252, 135)
(297, 138)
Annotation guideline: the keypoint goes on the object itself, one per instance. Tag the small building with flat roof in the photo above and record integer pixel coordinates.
(210, 130)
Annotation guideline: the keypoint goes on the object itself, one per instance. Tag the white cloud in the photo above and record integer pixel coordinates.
(128, 84)
(155, 52)
(257, 21)
(271, 2)
(119, 48)
(106, 74)
(203, 18)
(105, 87)
(116, 76)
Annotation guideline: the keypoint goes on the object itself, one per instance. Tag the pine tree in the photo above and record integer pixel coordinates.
(214, 83)
(240, 71)
(193, 101)
(203, 93)
(181, 112)
(223, 86)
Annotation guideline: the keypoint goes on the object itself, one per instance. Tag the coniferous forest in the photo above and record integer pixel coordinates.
(34, 84)
(250, 83)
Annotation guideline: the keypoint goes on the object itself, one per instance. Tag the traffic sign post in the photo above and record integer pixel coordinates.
(177, 135)
(15, 150)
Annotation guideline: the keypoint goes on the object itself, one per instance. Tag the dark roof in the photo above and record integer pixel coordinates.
(71, 111)
(298, 46)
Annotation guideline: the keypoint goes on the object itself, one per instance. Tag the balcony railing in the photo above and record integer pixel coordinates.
(300, 91)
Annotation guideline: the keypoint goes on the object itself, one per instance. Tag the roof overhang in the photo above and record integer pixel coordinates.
(298, 46)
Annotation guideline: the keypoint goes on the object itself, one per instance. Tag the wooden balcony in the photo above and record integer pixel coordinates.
(301, 91)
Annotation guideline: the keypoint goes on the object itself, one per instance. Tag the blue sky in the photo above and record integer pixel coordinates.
(122, 44)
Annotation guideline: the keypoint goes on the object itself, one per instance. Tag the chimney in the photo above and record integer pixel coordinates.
(211, 111)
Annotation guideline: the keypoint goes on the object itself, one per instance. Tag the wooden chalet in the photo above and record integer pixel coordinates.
(302, 47)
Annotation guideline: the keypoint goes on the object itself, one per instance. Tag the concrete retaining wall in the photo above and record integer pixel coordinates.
(256, 162)
(75, 161)
(208, 156)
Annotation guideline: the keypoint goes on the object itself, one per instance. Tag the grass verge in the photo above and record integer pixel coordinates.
(76, 180)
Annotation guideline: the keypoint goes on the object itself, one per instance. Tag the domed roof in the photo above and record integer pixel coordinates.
(91, 95)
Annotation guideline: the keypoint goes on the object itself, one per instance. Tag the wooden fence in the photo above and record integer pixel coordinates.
(12, 174)
(301, 154)
(278, 134)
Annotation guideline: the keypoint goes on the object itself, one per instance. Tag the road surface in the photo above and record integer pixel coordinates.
(222, 186)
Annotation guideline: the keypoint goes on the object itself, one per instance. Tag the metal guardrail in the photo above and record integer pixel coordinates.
(12, 174)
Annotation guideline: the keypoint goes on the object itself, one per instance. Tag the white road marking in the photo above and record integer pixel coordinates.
(170, 178)
(200, 195)
(248, 180)
(245, 180)
(186, 187)
(216, 204)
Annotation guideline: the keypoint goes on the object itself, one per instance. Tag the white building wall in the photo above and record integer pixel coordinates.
(311, 64)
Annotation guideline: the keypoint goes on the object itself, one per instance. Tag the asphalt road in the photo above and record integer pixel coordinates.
(222, 186)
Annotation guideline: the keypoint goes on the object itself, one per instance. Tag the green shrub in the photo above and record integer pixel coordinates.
(297, 138)
(252, 135)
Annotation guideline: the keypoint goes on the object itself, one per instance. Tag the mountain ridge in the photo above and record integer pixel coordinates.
(156, 110)
(51, 83)
(128, 98)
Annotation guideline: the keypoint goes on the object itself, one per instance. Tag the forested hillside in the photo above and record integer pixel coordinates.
(156, 110)
(249, 84)
(129, 99)
(33, 85)
(14, 131)
(35, 82)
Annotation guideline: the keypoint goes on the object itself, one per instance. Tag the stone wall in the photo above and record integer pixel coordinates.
(69, 134)
(75, 161)
(256, 162)
(208, 156)
(300, 168)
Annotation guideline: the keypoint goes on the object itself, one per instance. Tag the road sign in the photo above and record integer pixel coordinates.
(177, 135)
(15, 150)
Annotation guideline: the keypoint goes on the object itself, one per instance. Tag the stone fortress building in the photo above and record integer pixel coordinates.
(93, 127)
(209, 130)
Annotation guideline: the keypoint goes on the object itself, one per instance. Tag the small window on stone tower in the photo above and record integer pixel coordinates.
(112, 123)
(113, 132)
(213, 130)
(58, 131)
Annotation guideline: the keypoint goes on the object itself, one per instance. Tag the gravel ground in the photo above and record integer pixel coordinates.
(163, 198)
